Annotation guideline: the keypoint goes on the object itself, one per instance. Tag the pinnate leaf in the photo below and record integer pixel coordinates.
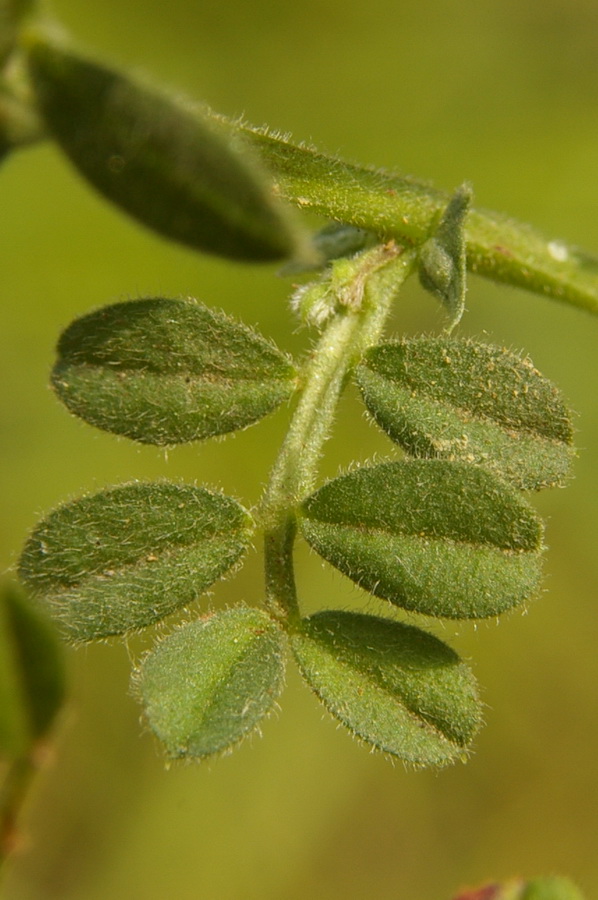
(459, 399)
(165, 371)
(32, 674)
(211, 682)
(128, 556)
(157, 159)
(440, 538)
(395, 686)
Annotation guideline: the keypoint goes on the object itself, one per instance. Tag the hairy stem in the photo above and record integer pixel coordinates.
(356, 325)
(404, 209)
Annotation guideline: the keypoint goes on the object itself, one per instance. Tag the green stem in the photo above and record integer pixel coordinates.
(281, 592)
(356, 325)
(404, 209)
(12, 796)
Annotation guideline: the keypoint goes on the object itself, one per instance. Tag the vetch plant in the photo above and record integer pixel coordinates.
(444, 531)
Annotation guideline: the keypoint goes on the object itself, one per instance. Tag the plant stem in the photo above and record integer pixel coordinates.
(12, 795)
(403, 208)
(356, 325)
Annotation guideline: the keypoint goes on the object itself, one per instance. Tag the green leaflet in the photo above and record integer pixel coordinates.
(32, 675)
(211, 682)
(157, 159)
(391, 684)
(128, 556)
(459, 399)
(440, 538)
(165, 371)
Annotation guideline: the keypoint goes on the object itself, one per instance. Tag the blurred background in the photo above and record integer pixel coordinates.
(502, 94)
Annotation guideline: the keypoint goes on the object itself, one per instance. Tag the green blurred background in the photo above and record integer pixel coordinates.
(503, 94)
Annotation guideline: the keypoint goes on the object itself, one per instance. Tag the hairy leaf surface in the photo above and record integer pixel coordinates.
(126, 557)
(391, 684)
(440, 538)
(211, 682)
(459, 399)
(164, 371)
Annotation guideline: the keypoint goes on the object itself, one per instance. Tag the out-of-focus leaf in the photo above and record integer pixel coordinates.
(32, 674)
(396, 687)
(553, 887)
(439, 538)
(126, 557)
(459, 399)
(166, 371)
(160, 161)
(211, 682)
(12, 13)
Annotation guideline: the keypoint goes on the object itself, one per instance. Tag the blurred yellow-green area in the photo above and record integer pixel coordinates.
(503, 94)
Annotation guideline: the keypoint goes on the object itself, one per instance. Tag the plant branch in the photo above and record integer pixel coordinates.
(405, 209)
(356, 325)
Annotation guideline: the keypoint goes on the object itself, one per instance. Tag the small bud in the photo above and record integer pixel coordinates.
(442, 258)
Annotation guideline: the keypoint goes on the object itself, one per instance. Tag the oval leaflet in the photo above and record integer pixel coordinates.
(442, 398)
(168, 371)
(440, 538)
(395, 686)
(210, 683)
(124, 558)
